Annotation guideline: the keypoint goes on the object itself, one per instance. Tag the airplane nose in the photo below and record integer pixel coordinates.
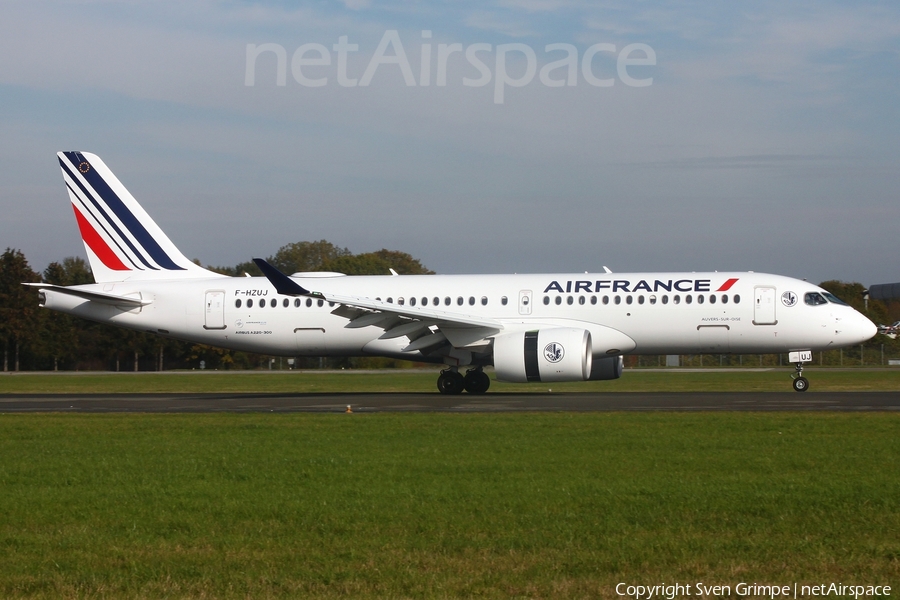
(862, 328)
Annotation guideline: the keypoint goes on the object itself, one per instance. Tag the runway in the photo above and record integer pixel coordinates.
(463, 403)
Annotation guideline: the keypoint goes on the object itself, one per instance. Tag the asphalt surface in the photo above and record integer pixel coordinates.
(463, 403)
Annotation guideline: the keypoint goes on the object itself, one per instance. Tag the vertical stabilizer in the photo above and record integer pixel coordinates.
(122, 242)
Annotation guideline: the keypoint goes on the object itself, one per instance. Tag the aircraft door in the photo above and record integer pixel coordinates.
(310, 341)
(714, 338)
(764, 306)
(215, 309)
(525, 302)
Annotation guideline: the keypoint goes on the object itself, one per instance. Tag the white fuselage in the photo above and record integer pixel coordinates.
(626, 313)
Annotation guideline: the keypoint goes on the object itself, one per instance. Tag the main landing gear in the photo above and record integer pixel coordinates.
(475, 381)
(801, 383)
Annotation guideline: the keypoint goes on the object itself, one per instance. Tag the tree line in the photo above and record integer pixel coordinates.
(38, 339)
(35, 339)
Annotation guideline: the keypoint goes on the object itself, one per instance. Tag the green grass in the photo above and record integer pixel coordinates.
(676, 380)
(439, 505)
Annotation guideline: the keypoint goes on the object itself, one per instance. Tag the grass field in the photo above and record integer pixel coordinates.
(442, 506)
(675, 380)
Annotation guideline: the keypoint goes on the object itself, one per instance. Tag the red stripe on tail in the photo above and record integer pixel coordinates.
(97, 245)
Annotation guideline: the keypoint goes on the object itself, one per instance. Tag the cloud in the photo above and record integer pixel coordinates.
(753, 109)
(498, 23)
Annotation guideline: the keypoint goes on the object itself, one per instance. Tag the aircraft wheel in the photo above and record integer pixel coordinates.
(450, 382)
(801, 384)
(477, 382)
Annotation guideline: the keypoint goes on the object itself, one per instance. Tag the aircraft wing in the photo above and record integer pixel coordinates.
(99, 297)
(424, 327)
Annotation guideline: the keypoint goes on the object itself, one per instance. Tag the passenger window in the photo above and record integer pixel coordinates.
(504, 300)
(618, 300)
(558, 300)
(605, 299)
(570, 300)
(401, 301)
(436, 301)
(321, 303)
(484, 300)
(580, 299)
(412, 301)
(285, 303)
(546, 300)
(652, 299)
(424, 300)
(471, 300)
(737, 299)
(250, 303)
(724, 298)
(459, 300)
(699, 298)
(262, 303)
(308, 302)
(665, 299)
(237, 303)
(688, 299)
(390, 300)
(629, 299)
(676, 299)
(640, 299)
(593, 300)
(712, 299)
(447, 301)
(296, 302)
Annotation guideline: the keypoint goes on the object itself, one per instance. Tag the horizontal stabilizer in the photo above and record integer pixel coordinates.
(99, 297)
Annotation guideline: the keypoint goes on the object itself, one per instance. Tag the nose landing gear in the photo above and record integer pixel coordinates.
(801, 383)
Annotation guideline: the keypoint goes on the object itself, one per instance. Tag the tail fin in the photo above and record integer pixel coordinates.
(122, 242)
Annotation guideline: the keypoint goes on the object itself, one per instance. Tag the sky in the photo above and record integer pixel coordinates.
(480, 137)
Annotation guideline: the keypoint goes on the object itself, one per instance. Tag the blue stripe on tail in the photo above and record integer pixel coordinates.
(128, 219)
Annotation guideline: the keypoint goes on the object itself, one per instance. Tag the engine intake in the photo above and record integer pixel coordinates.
(556, 354)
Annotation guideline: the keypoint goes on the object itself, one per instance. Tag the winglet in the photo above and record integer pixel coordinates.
(283, 284)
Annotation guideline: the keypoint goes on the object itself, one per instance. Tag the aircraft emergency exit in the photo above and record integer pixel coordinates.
(541, 328)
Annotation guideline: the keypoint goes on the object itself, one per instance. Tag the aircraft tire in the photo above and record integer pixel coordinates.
(450, 382)
(477, 382)
(801, 384)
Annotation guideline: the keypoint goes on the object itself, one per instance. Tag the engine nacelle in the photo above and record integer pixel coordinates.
(608, 367)
(556, 354)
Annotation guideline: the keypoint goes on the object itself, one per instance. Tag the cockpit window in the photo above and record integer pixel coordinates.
(835, 299)
(814, 299)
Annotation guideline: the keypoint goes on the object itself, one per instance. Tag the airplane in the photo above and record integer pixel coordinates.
(530, 328)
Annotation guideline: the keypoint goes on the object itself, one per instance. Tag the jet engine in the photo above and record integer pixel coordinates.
(555, 354)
